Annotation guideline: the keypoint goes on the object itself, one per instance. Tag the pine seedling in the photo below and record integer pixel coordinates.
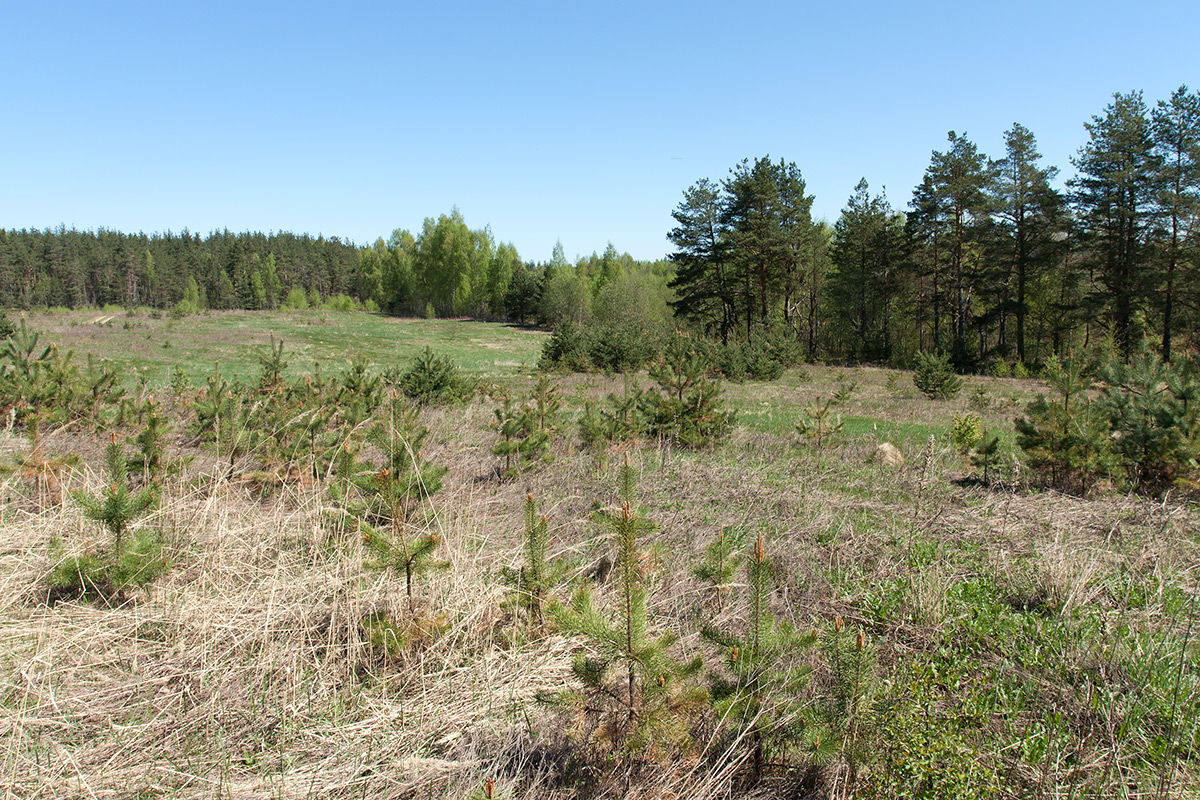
(531, 582)
(100, 381)
(965, 433)
(720, 564)
(687, 409)
(522, 442)
(634, 695)
(818, 423)
(546, 402)
(115, 509)
(987, 453)
(850, 692)
(935, 378)
(273, 366)
(394, 496)
(510, 424)
(761, 688)
(151, 443)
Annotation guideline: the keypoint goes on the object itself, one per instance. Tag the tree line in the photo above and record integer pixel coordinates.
(989, 262)
(446, 269)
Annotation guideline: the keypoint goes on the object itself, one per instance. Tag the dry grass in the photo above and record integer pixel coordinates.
(247, 672)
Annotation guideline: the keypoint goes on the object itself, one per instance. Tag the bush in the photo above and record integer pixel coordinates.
(567, 348)
(7, 328)
(433, 379)
(1066, 441)
(935, 378)
(687, 409)
(296, 300)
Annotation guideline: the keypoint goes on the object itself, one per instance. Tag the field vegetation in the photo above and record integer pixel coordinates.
(373, 557)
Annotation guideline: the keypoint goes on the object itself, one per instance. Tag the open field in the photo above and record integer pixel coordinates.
(332, 338)
(1022, 643)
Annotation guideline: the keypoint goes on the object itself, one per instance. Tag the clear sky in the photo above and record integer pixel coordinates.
(572, 121)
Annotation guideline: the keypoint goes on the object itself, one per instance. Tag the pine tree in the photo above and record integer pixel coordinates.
(761, 688)
(720, 563)
(531, 582)
(687, 410)
(634, 695)
(850, 688)
(394, 496)
(1114, 198)
(116, 509)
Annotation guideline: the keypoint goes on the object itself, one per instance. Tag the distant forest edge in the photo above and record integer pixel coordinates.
(990, 263)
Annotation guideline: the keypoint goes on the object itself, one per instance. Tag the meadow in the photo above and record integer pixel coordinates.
(947, 635)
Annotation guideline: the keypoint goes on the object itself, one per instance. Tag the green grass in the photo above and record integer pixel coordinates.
(331, 338)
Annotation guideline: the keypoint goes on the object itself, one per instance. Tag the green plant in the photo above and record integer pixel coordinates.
(987, 454)
(964, 433)
(531, 582)
(633, 695)
(521, 443)
(132, 561)
(761, 690)
(850, 687)
(844, 392)
(1066, 441)
(394, 496)
(935, 378)
(273, 365)
(720, 563)
(818, 423)
(687, 409)
(151, 442)
(980, 400)
(1152, 410)
(432, 379)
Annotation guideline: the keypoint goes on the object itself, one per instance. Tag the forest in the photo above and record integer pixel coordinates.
(989, 262)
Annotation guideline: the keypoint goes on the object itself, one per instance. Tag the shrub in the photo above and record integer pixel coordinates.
(296, 300)
(935, 378)
(687, 409)
(433, 379)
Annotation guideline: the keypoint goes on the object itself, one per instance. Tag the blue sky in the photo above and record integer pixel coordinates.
(547, 121)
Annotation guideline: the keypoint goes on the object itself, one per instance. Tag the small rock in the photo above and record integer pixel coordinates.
(889, 454)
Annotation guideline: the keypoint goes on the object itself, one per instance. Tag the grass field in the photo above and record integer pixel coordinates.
(1023, 643)
(332, 338)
